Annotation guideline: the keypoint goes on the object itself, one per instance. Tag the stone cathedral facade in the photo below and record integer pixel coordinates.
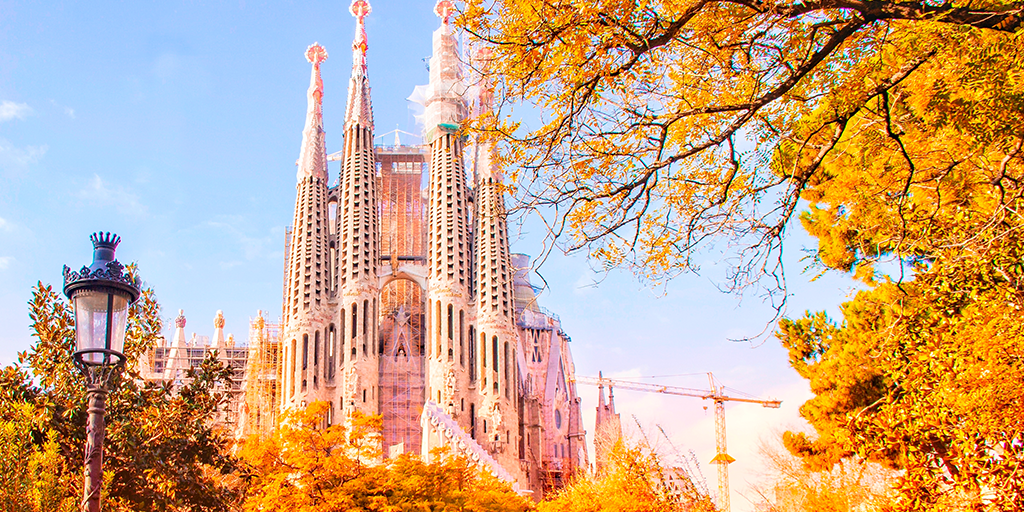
(405, 301)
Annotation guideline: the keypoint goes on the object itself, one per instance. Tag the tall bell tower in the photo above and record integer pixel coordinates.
(449, 256)
(307, 278)
(358, 237)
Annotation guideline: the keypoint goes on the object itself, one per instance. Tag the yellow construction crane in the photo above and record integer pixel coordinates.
(717, 394)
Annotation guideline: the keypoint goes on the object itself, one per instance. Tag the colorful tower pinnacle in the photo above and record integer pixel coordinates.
(358, 239)
(178, 352)
(307, 278)
(358, 109)
(450, 381)
(312, 156)
(218, 341)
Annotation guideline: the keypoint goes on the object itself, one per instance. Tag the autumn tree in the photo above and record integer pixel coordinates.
(33, 476)
(307, 465)
(790, 485)
(635, 479)
(893, 130)
(162, 451)
(668, 125)
(923, 370)
(926, 376)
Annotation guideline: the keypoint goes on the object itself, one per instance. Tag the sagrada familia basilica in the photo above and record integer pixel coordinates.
(406, 301)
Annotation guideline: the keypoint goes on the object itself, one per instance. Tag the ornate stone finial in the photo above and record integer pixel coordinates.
(218, 321)
(444, 9)
(316, 54)
(260, 322)
(360, 9)
(180, 321)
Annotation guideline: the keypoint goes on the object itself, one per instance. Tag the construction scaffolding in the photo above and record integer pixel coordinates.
(402, 312)
(259, 411)
(403, 212)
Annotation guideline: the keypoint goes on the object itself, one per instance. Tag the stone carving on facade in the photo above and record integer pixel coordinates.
(449, 384)
(493, 413)
(351, 382)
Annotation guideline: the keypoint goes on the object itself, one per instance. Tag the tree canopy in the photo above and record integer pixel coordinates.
(162, 450)
(892, 130)
(634, 479)
(668, 125)
(307, 465)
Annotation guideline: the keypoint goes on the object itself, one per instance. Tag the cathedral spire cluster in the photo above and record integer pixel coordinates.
(425, 332)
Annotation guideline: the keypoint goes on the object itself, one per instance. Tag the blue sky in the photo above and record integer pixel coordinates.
(177, 125)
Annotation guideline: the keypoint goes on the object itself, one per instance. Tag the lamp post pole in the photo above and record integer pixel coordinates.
(101, 294)
(95, 432)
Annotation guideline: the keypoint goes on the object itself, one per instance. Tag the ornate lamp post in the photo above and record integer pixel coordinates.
(101, 294)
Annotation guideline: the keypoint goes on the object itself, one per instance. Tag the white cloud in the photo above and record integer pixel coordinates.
(253, 247)
(5, 262)
(5, 225)
(126, 201)
(68, 111)
(10, 110)
(12, 157)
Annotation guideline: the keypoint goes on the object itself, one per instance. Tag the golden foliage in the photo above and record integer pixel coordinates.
(308, 466)
(790, 485)
(926, 376)
(161, 452)
(33, 477)
(667, 125)
(635, 480)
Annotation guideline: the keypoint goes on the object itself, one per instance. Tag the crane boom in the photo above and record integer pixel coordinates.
(705, 394)
(717, 394)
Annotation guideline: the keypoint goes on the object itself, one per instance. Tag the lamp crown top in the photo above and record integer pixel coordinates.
(105, 270)
(106, 240)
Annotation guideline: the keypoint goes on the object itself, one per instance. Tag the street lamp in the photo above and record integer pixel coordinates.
(101, 294)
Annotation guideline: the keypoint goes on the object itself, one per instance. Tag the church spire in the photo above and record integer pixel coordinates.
(359, 108)
(358, 242)
(445, 108)
(313, 155)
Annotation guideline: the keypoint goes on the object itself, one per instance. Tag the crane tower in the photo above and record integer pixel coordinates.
(716, 394)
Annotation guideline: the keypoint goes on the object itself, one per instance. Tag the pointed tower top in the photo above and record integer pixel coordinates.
(312, 156)
(358, 108)
(360, 9)
(316, 54)
(443, 9)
